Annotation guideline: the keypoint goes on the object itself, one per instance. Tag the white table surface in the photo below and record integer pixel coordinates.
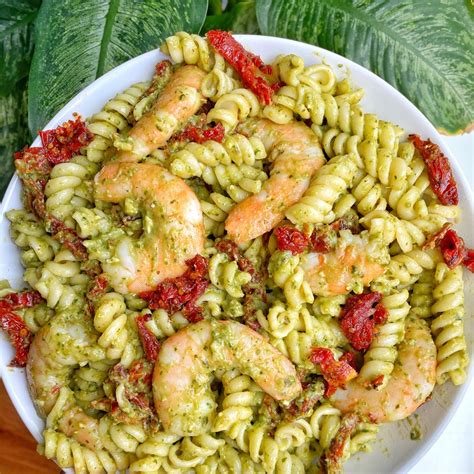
(453, 452)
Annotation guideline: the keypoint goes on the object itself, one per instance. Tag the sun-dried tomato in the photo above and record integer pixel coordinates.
(33, 160)
(98, 287)
(359, 316)
(468, 261)
(303, 405)
(65, 141)
(19, 335)
(290, 238)
(439, 170)
(336, 373)
(66, 236)
(22, 299)
(249, 66)
(277, 86)
(230, 248)
(349, 221)
(181, 293)
(455, 252)
(452, 248)
(150, 343)
(162, 67)
(140, 371)
(201, 135)
(255, 297)
(332, 458)
(435, 239)
(350, 358)
(322, 240)
(15, 328)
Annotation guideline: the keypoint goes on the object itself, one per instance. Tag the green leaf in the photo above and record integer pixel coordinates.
(79, 40)
(239, 18)
(14, 133)
(16, 41)
(423, 48)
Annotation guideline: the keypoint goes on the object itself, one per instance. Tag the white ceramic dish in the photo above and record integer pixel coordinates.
(394, 452)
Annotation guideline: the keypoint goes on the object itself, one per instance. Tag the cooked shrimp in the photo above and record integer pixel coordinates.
(180, 99)
(342, 270)
(173, 229)
(412, 380)
(184, 370)
(58, 348)
(296, 155)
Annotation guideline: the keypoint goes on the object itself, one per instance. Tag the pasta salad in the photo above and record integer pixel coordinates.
(233, 268)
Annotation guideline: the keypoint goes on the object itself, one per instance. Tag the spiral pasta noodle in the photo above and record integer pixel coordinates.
(225, 275)
(303, 102)
(217, 83)
(234, 107)
(380, 358)
(447, 325)
(113, 118)
(289, 276)
(198, 160)
(421, 298)
(37, 247)
(309, 331)
(317, 204)
(59, 281)
(241, 396)
(70, 454)
(67, 188)
(187, 48)
(88, 384)
(406, 268)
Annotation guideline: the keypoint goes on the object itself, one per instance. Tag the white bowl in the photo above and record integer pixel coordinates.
(394, 450)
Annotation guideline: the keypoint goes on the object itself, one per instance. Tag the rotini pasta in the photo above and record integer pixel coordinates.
(380, 358)
(447, 325)
(224, 315)
(111, 120)
(317, 204)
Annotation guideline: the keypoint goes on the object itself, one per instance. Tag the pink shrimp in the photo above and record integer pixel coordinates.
(296, 155)
(180, 99)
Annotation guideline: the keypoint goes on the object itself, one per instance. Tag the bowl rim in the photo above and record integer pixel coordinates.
(65, 112)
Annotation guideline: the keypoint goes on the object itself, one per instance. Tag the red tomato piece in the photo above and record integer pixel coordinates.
(245, 63)
(150, 343)
(304, 404)
(359, 316)
(321, 241)
(336, 373)
(332, 458)
(67, 236)
(23, 299)
(62, 143)
(201, 135)
(181, 293)
(453, 249)
(469, 260)
(439, 170)
(162, 67)
(99, 287)
(19, 335)
(290, 238)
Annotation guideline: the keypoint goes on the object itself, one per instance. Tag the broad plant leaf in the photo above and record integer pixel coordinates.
(423, 48)
(238, 17)
(16, 41)
(14, 134)
(79, 40)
